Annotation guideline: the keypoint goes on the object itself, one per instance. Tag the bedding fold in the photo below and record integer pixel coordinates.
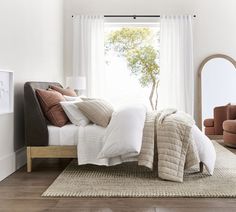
(163, 140)
(170, 130)
(175, 145)
(146, 156)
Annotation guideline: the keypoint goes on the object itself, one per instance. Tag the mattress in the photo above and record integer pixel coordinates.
(69, 135)
(61, 136)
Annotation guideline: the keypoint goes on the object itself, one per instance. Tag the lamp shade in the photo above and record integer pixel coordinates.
(77, 83)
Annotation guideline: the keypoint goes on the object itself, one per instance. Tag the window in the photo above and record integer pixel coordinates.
(132, 62)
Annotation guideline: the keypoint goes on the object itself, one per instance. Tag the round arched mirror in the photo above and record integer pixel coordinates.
(217, 85)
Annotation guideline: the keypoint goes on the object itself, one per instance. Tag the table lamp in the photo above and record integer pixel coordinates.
(76, 83)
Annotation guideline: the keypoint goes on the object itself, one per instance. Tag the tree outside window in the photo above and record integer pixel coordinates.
(137, 45)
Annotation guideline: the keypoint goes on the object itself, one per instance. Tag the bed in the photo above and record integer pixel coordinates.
(124, 139)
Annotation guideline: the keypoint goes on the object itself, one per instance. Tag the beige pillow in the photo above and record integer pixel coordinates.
(97, 111)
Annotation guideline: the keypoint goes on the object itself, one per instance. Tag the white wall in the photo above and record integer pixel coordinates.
(214, 26)
(31, 44)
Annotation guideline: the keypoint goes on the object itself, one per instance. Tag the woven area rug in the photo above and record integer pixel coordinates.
(129, 180)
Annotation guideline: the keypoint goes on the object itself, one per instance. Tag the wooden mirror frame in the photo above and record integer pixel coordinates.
(203, 63)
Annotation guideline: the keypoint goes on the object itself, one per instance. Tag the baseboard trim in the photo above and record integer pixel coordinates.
(11, 162)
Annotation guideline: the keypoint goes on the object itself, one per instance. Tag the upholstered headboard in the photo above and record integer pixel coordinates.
(36, 132)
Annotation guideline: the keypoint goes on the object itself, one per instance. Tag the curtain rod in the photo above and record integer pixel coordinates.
(134, 16)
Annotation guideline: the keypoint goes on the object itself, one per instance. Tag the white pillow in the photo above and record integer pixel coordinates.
(123, 136)
(75, 116)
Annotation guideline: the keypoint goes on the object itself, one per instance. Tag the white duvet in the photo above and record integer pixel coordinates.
(206, 149)
(123, 136)
(121, 141)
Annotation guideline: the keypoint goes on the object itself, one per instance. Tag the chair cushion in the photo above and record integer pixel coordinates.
(208, 122)
(50, 104)
(229, 138)
(230, 126)
(63, 91)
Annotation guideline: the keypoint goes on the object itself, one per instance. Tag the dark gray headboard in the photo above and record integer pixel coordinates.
(36, 132)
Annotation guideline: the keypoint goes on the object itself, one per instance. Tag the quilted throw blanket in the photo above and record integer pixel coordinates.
(168, 144)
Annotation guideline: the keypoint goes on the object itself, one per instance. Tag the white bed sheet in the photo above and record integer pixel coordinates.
(69, 135)
(90, 144)
(66, 135)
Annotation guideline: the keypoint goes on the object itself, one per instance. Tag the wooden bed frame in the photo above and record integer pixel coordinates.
(57, 152)
(49, 152)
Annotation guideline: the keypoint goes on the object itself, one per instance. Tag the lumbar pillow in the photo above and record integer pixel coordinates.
(97, 111)
(74, 114)
(63, 91)
(123, 136)
(50, 103)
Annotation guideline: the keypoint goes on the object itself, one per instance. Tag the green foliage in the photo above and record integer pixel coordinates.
(142, 62)
(127, 39)
(136, 45)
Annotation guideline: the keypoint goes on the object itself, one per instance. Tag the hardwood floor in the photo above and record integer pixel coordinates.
(22, 192)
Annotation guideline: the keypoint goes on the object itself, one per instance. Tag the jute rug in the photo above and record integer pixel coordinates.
(129, 180)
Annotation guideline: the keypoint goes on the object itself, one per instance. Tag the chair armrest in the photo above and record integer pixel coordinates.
(208, 123)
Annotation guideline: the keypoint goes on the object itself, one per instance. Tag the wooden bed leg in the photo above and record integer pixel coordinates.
(201, 166)
(29, 160)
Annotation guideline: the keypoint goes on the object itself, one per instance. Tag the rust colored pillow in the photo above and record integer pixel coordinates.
(63, 91)
(50, 103)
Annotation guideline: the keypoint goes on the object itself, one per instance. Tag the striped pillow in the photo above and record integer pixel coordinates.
(97, 111)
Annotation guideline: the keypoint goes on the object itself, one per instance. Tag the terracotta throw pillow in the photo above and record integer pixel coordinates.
(50, 103)
(97, 111)
(63, 91)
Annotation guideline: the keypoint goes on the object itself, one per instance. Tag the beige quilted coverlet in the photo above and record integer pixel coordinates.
(168, 144)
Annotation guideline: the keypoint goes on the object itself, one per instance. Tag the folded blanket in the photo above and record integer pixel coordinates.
(176, 149)
(175, 146)
(146, 156)
(162, 140)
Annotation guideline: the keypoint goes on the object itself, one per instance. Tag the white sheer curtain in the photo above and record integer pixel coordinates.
(88, 52)
(176, 63)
